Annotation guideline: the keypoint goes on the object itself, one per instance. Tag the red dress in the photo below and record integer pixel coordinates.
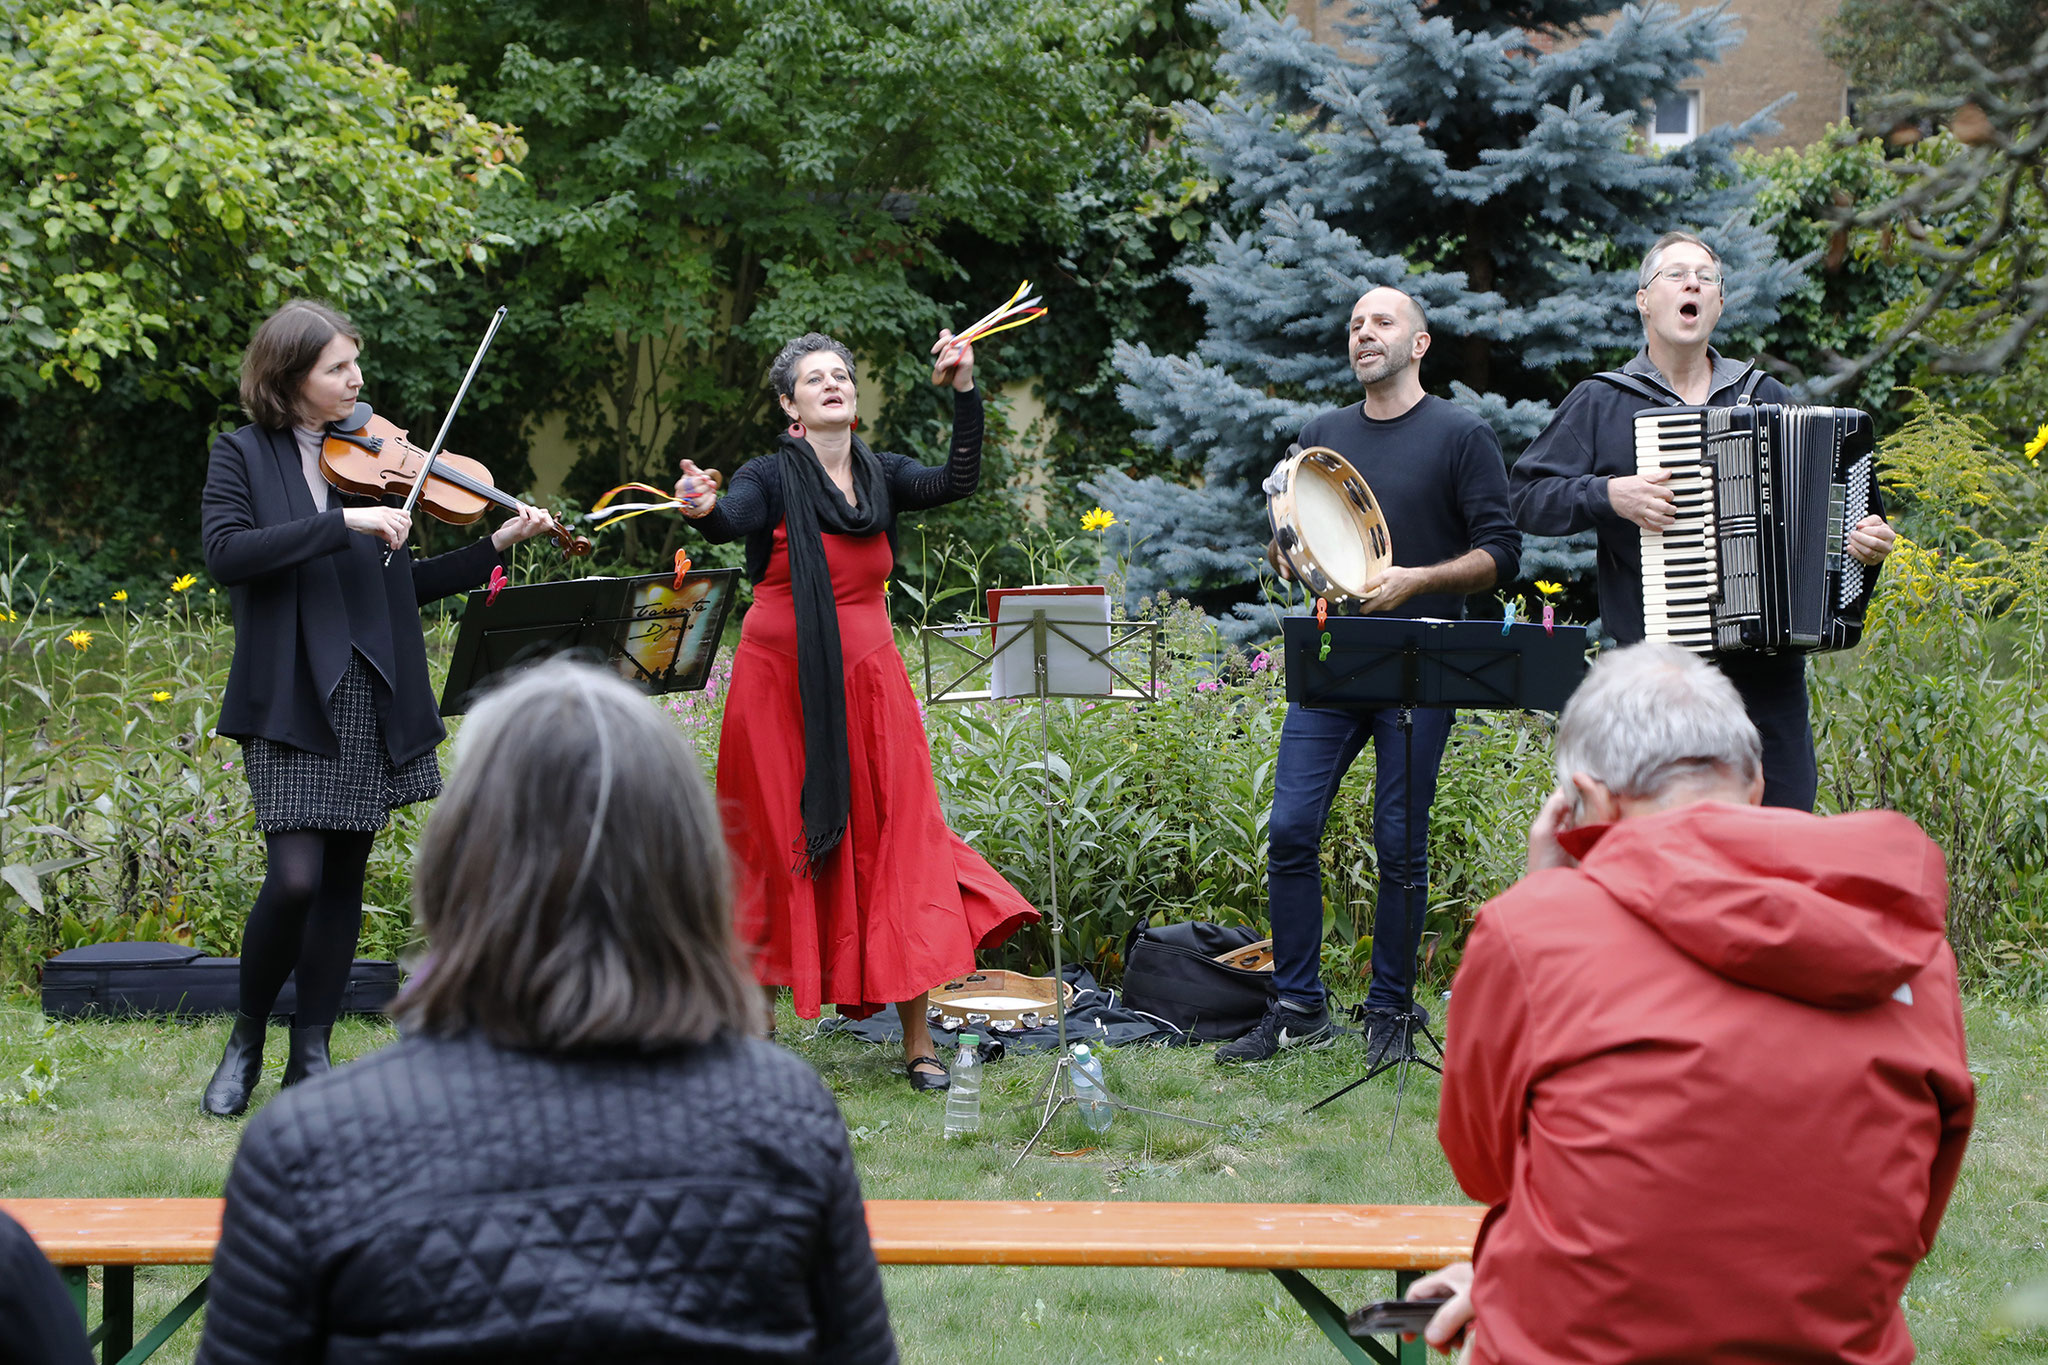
(903, 903)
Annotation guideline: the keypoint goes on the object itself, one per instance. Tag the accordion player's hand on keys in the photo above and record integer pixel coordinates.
(1773, 546)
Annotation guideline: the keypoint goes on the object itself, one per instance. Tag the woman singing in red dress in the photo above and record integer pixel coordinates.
(851, 888)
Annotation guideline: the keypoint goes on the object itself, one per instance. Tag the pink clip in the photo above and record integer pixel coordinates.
(1549, 618)
(1322, 614)
(496, 585)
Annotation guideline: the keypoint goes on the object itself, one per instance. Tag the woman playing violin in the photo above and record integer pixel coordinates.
(851, 888)
(328, 691)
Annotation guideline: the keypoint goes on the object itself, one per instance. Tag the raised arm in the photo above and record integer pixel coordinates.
(747, 505)
(915, 486)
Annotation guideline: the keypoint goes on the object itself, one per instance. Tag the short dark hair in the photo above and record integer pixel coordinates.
(281, 354)
(572, 880)
(782, 372)
(1647, 271)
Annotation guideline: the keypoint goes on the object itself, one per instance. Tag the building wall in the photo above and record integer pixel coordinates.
(1780, 54)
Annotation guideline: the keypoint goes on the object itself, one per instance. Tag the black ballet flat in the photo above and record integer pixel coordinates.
(925, 1080)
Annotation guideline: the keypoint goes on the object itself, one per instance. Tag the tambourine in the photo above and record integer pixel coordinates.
(1002, 1002)
(1327, 524)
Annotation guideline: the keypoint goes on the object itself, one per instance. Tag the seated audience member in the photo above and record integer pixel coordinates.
(38, 1325)
(580, 1149)
(1705, 1061)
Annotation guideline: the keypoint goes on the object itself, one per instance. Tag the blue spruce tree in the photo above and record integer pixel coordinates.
(1487, 156)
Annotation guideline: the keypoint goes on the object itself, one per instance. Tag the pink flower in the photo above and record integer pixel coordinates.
(1207, 685)
(1260, 660)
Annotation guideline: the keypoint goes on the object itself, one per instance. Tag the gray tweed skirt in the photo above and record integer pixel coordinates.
(357, 790)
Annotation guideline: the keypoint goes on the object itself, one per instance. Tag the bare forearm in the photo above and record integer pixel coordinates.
(1472, 571)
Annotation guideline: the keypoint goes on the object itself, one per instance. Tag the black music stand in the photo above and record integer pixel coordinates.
(1375, 662)
(656, 635)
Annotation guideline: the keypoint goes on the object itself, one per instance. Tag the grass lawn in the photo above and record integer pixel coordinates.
(124, 1120)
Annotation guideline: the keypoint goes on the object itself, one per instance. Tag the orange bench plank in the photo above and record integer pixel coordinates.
(1240, 1236)
(913, 1232)
(121, 1231)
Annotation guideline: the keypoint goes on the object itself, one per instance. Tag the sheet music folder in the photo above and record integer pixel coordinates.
(657, 636)
(1377, 661)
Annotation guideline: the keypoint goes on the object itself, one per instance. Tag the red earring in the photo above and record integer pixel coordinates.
(854, 425)
(796, 431)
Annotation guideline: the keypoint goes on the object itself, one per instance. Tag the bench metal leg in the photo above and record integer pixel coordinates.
(117, 1311)
(172, 1321)
(1414, 1352)
(1330, 1318)
(78, 1283)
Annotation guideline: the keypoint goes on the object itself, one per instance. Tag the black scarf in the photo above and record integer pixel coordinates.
(812, 507)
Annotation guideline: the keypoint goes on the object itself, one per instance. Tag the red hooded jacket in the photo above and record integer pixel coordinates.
(1712, 1083)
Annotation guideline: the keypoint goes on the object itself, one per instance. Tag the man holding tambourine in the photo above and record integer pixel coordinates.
(1437, 474)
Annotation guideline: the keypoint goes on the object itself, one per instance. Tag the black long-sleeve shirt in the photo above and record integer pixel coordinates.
(752, 506)
(448, 1198)
(1437, 473)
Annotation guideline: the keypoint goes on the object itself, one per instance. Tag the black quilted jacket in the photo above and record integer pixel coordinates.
(446, 1199)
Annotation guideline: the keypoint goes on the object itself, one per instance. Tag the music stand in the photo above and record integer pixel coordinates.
(1069, 642)
(656, 633)
(1377, 662)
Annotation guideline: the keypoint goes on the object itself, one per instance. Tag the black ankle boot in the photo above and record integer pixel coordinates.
(241, 1065)
(308, 1057)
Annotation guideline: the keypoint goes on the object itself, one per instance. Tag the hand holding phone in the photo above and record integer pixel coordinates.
(1388, 1317)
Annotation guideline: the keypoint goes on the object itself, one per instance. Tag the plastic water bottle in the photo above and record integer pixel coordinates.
(1091, 1092)
(963, 1096)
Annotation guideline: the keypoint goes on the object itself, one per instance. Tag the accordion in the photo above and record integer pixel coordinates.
(1758, 558)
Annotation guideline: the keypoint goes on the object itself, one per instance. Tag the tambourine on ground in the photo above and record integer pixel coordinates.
(1327, 524)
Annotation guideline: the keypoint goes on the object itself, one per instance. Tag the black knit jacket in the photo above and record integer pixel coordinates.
(448, 1199)
(752, 507)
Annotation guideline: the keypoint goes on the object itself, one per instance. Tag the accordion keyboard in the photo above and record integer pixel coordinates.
(1680, 573)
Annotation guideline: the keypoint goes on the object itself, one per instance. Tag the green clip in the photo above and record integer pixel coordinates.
(1324, 653)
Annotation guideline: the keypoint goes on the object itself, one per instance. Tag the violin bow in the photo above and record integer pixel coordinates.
(440, 438)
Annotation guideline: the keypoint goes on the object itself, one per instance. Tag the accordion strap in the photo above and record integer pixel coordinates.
(1664, 398)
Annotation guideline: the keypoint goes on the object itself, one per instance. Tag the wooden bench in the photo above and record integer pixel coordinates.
(1287, 1240)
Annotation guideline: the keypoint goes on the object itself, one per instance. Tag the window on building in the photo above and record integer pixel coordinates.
(1677, 119)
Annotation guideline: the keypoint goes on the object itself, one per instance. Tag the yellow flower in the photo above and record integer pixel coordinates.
(183, 581)
(80, 640)
(121, 595)
(1547, 588)
(2038, 444)
(159, 696)
(1097, 520)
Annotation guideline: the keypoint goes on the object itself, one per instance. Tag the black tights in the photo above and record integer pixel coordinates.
(306, 917)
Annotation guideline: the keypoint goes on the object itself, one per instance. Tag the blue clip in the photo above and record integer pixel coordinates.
(1507, 619)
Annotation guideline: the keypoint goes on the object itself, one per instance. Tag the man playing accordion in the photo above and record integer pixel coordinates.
(1581, 472)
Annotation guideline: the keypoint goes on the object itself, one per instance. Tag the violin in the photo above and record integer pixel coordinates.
(369, 455)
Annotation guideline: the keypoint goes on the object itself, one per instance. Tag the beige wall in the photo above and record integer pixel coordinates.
(1779, 54)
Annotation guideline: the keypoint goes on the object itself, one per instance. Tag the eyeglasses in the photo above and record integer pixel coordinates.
(1679, 274)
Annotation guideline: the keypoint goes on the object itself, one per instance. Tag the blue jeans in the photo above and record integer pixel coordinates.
(1317, 747)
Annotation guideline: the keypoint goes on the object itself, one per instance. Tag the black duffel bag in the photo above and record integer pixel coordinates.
(154, 979)
(1172, 972)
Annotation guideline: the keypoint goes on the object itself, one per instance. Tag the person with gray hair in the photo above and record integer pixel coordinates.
(852, 889)
(581, 1148)
(1580, 474)
(1705, 1062)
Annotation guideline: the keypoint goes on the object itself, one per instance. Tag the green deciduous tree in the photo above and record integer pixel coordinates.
(170, 169)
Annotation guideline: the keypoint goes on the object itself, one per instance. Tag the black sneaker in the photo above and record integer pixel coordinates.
(1284, 1027)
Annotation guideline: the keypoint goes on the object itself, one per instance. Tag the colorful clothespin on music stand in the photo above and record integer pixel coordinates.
(496, 585)
(1507, 618)
(682, 567)
(1323, 624)
(1549, 590)
(1549, 619)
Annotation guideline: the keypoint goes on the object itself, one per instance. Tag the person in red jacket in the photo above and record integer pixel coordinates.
(1706, 1061)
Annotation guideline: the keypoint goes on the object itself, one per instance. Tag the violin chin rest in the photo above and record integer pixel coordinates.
(357, 419)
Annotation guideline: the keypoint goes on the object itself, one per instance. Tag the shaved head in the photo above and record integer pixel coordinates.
(1410, 306)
